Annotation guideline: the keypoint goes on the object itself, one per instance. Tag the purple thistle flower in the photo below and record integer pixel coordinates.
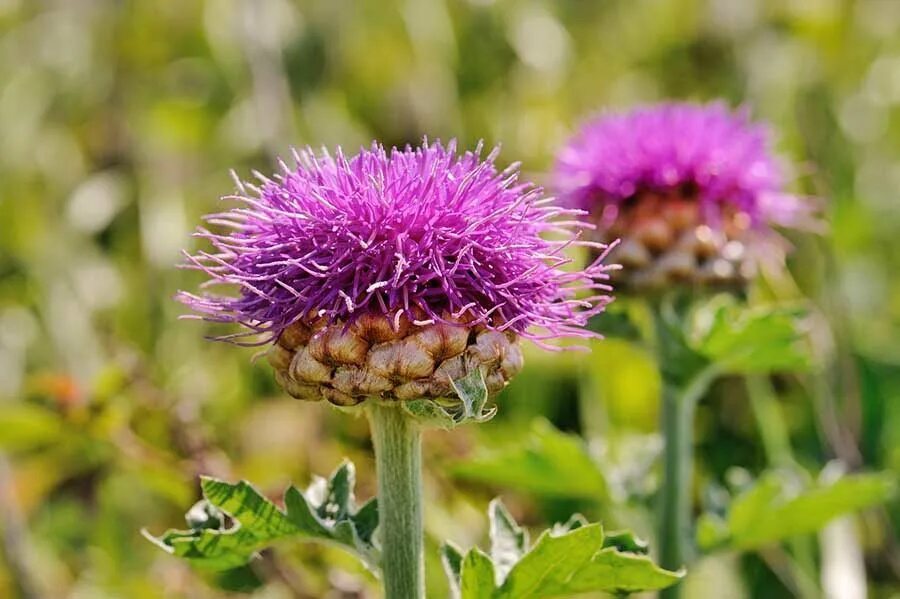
(726, 156)
(421, 233)
(680, 173)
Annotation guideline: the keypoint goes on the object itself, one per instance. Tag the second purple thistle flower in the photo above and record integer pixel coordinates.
(693, 191)
(392, 272)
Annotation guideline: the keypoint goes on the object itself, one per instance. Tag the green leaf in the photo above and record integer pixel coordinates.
(548, 462)
(204, 515)
(452, 559)
(471, 576)
(509, 541)
(477, 576)
(567, 560)
(326, 512)
(618, 572)
(238, 580)
(625, 540)
(777, 507)
(366, 520)
(574, 521)
(468, 406)
(554, 560)
(751, 340)
(712, 531)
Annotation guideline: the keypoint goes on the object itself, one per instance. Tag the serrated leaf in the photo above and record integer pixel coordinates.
(509, 541)
(566, 560)
(326, 513)
(203, 515)
(553, 560)
(618, 572)
(740, 339)
(578, 562)
(548, 462)
(301, 513)
(246, 505)
(574, 521)
(774, 509)
(625, 540)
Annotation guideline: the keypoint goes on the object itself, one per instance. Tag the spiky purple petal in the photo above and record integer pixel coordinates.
(721, 153)
(423, 232)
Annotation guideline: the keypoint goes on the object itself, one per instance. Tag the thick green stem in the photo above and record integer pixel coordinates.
(398, 459)
(685, 379)
(675, 524)
(675, 500)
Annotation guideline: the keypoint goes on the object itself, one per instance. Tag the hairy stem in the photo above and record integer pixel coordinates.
(398, 458)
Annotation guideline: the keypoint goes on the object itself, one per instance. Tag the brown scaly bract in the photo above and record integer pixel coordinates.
(371, 357)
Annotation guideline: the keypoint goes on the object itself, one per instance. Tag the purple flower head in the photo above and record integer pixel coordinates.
(716, 156)
(421, 233)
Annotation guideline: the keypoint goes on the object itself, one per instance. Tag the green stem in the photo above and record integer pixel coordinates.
(675, 500)
(398, 460)
(770, 421)
(675, 524)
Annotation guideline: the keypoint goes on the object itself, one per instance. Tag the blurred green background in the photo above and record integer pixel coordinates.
(119, 122)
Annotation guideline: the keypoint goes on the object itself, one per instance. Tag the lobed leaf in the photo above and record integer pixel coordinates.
(553, 562)
(776, 508)
(566, 560)
(751, 340)
(326, 512)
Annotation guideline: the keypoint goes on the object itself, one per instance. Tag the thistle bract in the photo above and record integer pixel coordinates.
(392, 272)
(692, 190)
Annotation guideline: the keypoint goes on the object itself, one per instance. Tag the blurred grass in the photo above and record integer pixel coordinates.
(119, 122)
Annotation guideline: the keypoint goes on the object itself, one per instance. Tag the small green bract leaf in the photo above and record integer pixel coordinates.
(548, 462)
(751, 340)
(326, 512)
(778, 507)
(468, 406)
(567, 560)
